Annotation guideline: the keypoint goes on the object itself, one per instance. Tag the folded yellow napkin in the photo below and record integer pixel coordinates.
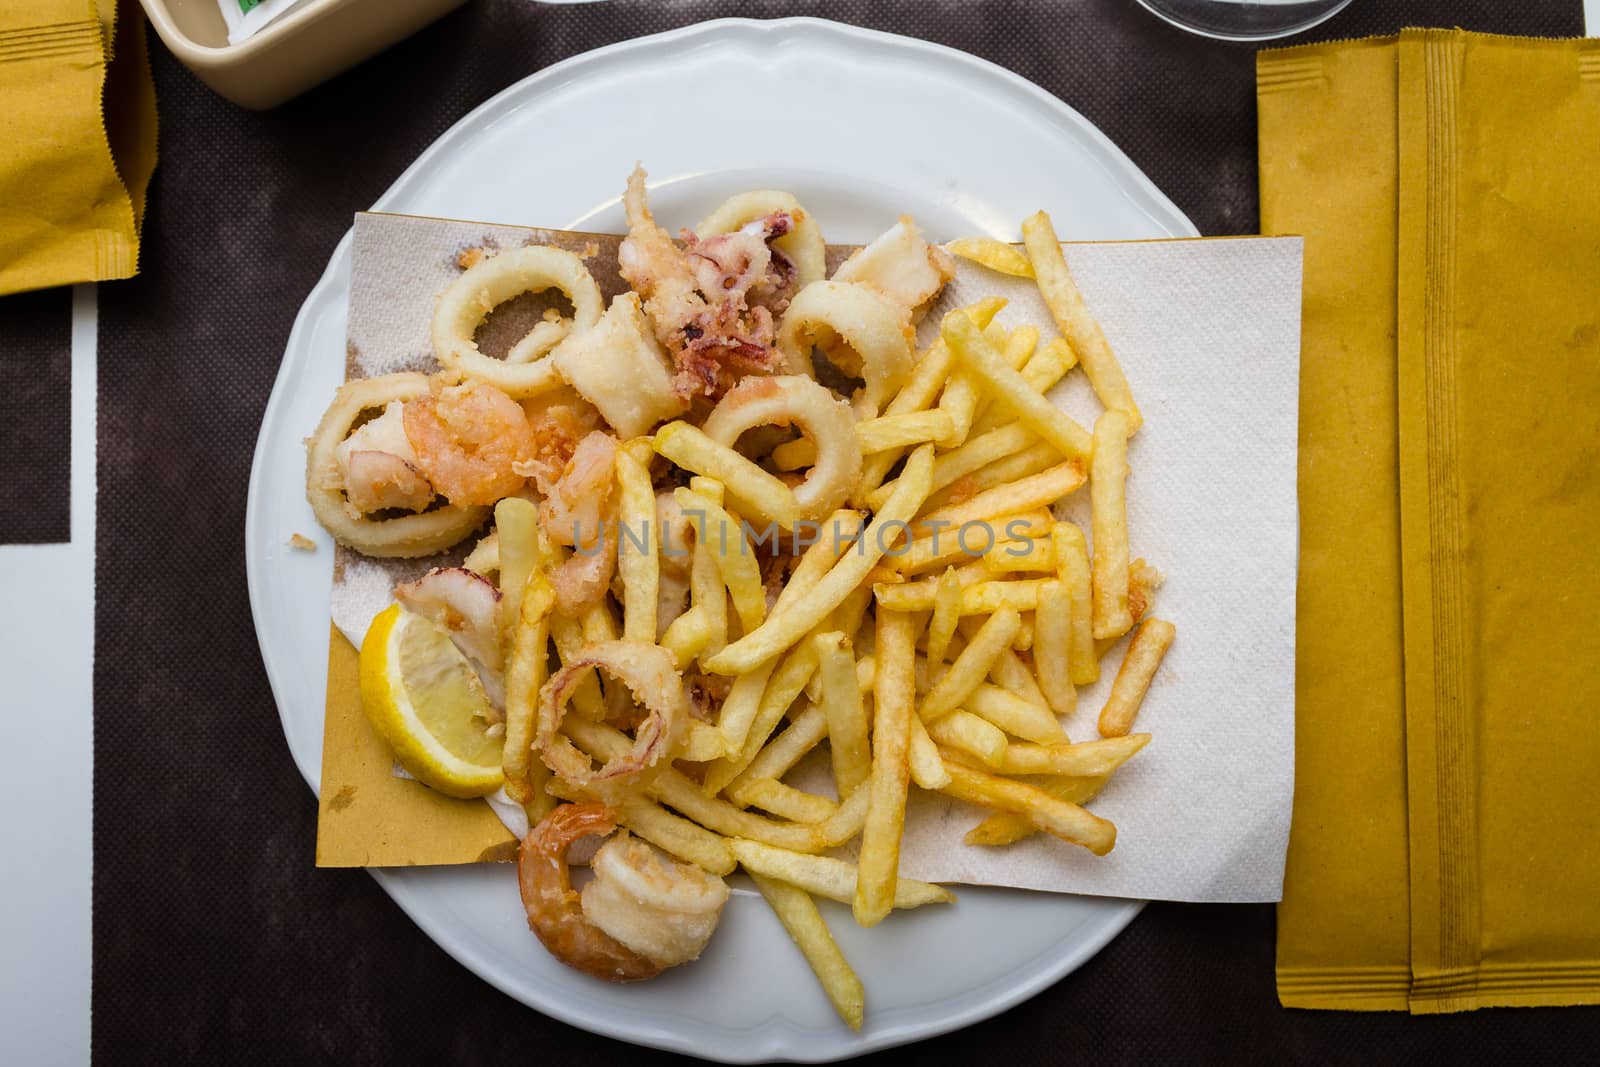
(1445, 850)
(77, 141)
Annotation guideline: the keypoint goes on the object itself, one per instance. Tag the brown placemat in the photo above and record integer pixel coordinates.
(215, 937)
(36, 417)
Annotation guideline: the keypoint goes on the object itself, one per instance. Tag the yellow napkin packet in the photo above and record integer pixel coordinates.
(1445, 850)
(77, 142)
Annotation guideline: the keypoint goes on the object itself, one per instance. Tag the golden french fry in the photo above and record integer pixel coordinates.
(525, 676)
(1072, 316)
(1035, 459)
(783, 688)
(787, 802)
(866, 672)
(1016, 716)
(1035, 491)
(516, 526)
(972, 666)
(1087, 759)
(1052, 634)
(687, 636)
(781, 631)
(802, 734)
(977, 453)
(1023, 642)
(740, 706)
(837, 533)
(963, 393)
(926, 553)
(760, 494)
(684, 795)
(1018, 347)
(1143, 581)
(846, 715)
(741, 572)
(1072, 567)
(982, 598)
(1047, 367)
(975, 352)
(795, 455)
(831, 879)
(701, 742)
(996, 255)
(1020, 557)
(1150, 643)
(638, 549)
(1002, 828)
(800, 917)
(902, 431)
(893, 706)
(965, 732)
(709, 595)
(927, 769)
(1009, 672)
(1108, 506)
(1065, 820)
(946, 614)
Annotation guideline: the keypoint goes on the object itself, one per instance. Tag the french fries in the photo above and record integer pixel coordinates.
(1066, 306)
(525, 676)
(800, 917)
(830, 879)
(996, 255)
(1016, 716)
(845, 715)
(809, 608)
(740, 571)
(893, 701)
(965, 732)
(1110, 514)
(972, 666)
(1072, 567)
(927, 768)
(638, 549)
(1150, 643)
(1087, 759)
(1052, 636)
(1070, 822)
(762, 495)
(1003, 828)
(1034, 411)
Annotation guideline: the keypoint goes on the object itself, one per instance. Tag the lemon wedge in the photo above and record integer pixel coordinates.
(424, 698)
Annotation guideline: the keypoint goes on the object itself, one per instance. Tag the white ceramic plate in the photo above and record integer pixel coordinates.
(863, 127)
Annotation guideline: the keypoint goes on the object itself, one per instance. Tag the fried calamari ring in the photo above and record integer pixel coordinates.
(863, 334)
(467, 301)
(794, 399)
(651, 676)
(803, 245)
(405, 536)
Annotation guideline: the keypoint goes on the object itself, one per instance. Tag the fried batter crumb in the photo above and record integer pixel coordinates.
(301, 543)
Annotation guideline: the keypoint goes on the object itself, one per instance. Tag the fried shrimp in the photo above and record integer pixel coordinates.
(710, 303)
(555, 914)
(469, 440)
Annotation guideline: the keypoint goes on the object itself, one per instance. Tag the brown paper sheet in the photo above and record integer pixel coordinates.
(1328, 172)
(1443, 855)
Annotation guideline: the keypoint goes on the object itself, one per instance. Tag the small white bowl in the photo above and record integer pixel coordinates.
(307, 46)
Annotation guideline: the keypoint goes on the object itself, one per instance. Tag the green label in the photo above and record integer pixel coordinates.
(247, 6)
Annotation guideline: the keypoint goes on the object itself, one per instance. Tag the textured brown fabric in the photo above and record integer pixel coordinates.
(35, 417)
(215, 938)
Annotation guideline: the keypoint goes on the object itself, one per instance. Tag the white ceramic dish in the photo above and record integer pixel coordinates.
(862, 126)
